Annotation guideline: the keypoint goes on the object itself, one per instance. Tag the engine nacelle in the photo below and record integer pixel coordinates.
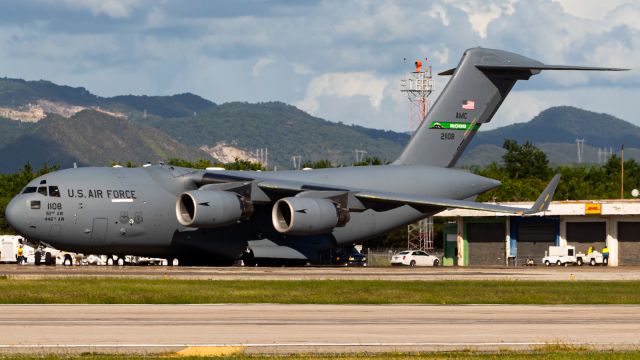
(210, 209)
(307, 216)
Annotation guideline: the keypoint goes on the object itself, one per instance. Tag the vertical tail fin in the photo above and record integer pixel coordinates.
(479, 85)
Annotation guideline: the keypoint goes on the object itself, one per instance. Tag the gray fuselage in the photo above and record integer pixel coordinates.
(132, 211)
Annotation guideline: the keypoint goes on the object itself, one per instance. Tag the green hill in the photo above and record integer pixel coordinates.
(284, 130)
(563, 124)
(154, 121)
(555, 131)
(91, 138)
(17, 93)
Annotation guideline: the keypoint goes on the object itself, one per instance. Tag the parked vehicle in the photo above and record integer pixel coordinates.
(593, 259)
(9, 248)
(349, 256)
(560, 255)
(414, 258)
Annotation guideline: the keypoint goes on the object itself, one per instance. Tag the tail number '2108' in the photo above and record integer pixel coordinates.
(447, 136)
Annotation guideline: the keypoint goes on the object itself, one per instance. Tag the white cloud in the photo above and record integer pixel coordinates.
(343, 85)
(339, 60)
(481, 13)
(111, 8)
(590, 9)
(260, 65)
(301, 69)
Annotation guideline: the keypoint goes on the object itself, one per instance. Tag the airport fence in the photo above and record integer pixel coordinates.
(379, 257)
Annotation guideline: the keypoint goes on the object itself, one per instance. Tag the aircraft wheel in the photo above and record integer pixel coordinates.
(436, 262)
(547, 263)
(67, 260)
(412, 263)
(48, 260)
(120, 261)
(38, 258)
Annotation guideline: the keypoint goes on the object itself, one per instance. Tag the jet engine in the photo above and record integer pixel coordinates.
(307, 216)
(210, 209)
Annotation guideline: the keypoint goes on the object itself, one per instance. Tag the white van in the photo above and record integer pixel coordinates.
(9, 248)
(560, 255)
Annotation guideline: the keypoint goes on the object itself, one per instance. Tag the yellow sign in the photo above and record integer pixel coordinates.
(593, 209)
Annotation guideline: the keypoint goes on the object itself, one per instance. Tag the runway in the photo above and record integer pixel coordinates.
(269, 328)
(539, 273)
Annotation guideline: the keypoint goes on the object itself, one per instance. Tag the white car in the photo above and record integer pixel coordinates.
(414, 258)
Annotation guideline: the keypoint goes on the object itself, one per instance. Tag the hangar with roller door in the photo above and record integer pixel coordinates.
(486, 243)
(475, 237)
(583, 234)
(629, 242)
(532, 236)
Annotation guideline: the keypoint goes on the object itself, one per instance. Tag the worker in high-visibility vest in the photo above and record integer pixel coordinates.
(20, 256)
(590, 250)
(605, 255)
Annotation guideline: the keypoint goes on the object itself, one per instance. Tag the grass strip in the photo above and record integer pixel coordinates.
(135, 291)
(454, 355)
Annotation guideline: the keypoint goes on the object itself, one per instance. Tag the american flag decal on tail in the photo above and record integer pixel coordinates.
(469, 105)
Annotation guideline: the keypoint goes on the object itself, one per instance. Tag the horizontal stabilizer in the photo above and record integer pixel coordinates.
(507, 67)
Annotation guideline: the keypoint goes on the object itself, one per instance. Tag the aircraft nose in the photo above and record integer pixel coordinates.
(13, 213)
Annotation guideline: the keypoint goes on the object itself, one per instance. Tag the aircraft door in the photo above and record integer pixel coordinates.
(99, 232)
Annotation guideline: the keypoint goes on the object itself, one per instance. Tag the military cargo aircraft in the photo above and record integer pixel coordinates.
(216, 217)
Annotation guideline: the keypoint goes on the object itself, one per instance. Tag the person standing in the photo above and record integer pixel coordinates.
(605, 255)
(20, 256)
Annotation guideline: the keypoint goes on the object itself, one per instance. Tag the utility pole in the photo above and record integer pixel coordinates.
(622, 173)
(580, 144)
(297, 161)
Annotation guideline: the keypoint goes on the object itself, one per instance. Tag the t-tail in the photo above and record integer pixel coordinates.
(479, 85)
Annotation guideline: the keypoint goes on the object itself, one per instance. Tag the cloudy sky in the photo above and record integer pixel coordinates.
(340, 60)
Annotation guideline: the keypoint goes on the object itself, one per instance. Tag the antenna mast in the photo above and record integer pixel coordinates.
(417, 87)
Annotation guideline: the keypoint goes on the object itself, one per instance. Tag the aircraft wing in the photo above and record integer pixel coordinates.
(541, 204)
(390, 199)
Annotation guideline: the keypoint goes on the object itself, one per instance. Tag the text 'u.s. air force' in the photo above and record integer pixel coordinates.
(102, 194)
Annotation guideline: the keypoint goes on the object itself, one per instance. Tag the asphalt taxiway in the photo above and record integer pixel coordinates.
(540, 273)
(271, 328)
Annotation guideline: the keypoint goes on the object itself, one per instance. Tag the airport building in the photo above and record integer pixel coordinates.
(488, 238)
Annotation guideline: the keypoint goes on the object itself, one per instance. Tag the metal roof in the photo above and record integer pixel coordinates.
(628, 207)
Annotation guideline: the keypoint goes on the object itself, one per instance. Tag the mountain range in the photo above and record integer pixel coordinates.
(43, 122)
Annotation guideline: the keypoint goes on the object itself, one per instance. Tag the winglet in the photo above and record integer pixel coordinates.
(543, 201)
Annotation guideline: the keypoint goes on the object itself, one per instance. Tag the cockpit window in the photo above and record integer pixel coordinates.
(29, 190)
(42, 190)
(53, 191)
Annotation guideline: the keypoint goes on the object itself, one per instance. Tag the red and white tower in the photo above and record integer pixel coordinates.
(418, 86)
